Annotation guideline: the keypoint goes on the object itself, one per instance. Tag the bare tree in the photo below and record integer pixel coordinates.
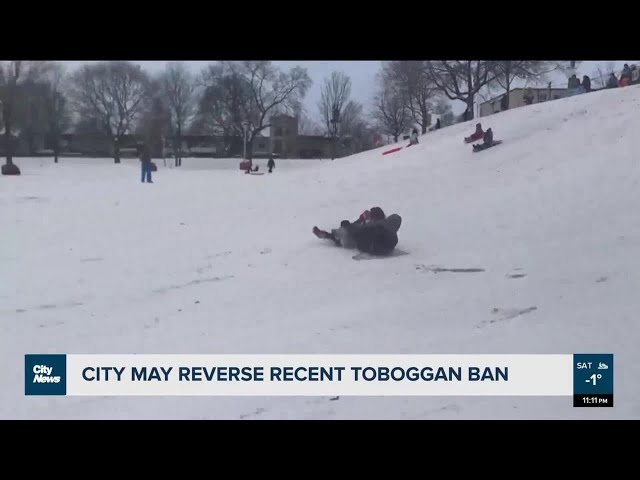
(333, 99)
(461, 79)
(390, 108)
(30, 115)
(417, 87)
(13, 74)
(115, 93)
(155, 120)
(241, 98)
(351, 118)
(58, 117)
(273, 92)
(223, 93)
(178, 89)
(506, 72)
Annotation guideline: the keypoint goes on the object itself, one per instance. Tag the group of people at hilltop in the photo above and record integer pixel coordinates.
(629, 75)
(575, 87)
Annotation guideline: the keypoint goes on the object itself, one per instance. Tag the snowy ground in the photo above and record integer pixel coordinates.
(209, 260)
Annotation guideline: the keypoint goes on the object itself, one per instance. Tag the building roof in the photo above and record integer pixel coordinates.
(540, 89)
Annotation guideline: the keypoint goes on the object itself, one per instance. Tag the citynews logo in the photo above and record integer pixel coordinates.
(45, 374)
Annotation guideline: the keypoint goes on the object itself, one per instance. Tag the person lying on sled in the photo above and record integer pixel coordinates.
(372, 233)
(487, 142)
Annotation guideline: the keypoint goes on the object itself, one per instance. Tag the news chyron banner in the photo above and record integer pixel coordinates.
(586, 377)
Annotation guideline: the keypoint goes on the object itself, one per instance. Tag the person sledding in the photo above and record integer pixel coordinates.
(475, 136)
(487, 142)
(372, 232)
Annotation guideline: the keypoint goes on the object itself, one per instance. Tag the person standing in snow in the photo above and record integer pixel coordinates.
(573, 82)
(145, 161)
(271, 164)
(414, 137)
(586, 84)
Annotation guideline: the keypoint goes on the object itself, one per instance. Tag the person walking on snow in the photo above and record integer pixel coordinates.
(271, 164)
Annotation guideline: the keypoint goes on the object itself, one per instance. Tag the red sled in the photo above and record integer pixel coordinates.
(392, 150)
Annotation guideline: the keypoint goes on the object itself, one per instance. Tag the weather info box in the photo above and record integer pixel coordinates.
(586, 377)
(593, 380)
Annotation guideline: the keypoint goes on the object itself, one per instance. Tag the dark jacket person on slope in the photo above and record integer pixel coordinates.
(372, 232)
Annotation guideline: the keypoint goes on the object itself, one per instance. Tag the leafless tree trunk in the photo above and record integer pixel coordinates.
(56, 107)
(12, 75)
(223, 95)
(155, 121)
(178, 88)
(333, 99)
(461, 79)
(114, 92)
(391, 109)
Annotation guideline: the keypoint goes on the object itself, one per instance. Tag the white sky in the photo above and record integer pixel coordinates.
(362, 75)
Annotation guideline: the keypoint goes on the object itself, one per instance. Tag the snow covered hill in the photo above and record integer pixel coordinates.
(209, 260)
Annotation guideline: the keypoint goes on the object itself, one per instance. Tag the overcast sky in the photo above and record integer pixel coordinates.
(362, 75)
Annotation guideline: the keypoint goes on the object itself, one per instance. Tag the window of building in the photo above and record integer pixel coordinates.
(286, 131)
(278, 131)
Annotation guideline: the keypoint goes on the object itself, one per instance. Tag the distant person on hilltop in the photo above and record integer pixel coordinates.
(372, 232)
(613, 81)
(145, 161)
(271, 164)
(625, 76)
(586, 83)
(573, 82)
(414, 137)
(503, 103)
(438, 124)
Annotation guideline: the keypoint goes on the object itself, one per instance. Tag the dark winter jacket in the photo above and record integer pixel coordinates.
(586, 83)
(378, 237)
(145, 158)
(573, 82)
